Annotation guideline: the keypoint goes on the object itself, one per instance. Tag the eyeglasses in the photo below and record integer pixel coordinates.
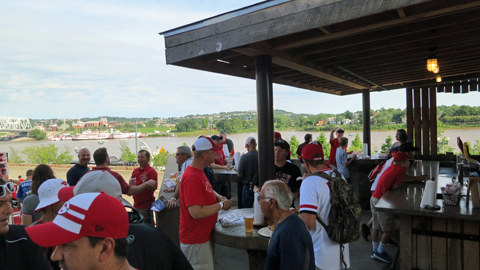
(7, 187)
(178, 154)
(260, 198)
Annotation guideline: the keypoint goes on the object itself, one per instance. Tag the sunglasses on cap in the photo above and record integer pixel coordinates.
(7, 187)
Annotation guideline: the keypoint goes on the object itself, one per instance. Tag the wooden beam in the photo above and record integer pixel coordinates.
(433, 122)
(401, 13)
(456, 88)
(324, 30)
(465, 87)
(285, 60)
(409, 93)
(425, 124)
(371, 27)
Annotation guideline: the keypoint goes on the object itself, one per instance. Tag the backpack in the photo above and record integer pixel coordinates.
(344, 217)
(373, 174)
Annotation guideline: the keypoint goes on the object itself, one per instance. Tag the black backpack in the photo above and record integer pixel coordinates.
(344, 217)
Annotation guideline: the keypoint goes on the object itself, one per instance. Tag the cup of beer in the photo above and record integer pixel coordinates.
(248, 223)
(172, 176)
(132, 181)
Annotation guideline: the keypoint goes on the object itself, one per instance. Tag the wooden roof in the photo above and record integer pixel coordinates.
(338, 46)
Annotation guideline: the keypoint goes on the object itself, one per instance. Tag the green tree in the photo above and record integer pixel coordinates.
(348, 114)
(294, 143)
(386, 145)
(126, 155)
(161, 158)
(47, 154)
(356, 144)
(322, 139)
(187, 126)
(205, 123)
(38, 134)
(14, 156)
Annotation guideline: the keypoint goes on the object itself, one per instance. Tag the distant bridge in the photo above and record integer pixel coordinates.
(14, 124)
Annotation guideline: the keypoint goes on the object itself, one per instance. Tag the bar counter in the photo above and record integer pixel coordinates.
(433, 239)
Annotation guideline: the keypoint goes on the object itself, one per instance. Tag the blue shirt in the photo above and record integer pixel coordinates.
(341, 159)
(23, 188)
(75, 173)
(290, 247)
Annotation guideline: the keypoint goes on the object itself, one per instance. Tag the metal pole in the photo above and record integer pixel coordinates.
(136, 142)
(366, 120)
(263, 74)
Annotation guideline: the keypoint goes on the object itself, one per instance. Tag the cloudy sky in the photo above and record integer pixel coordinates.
(89, 58)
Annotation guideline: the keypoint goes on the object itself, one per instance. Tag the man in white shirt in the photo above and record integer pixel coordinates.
(315, 200)
(183, 158)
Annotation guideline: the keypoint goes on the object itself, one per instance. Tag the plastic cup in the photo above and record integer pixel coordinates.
(172, 176)
(248, 223)
(132, 181)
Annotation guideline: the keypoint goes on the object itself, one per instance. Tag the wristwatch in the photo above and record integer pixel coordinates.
(221, 204)
(173, 199)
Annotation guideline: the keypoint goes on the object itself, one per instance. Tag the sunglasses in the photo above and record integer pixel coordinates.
(7, 187)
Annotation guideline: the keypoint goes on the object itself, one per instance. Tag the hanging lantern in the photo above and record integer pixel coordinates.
(439, 78)
(432, 65)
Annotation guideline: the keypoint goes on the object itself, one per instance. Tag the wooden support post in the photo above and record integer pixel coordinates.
(425, 124)
(448, 87)
(366, 120)
(456, 88)
(417, 121)
(410, 114)
(473, 85)
(465, 87)
(433, 123)
(263, 74)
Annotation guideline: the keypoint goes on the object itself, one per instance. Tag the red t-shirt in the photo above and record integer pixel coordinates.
(195, 189)
(333, 152)
(392, 175)
(220, 157)
(145, 198)
(123, 184)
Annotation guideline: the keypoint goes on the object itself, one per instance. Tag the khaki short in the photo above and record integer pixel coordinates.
(200, 256)
(382, 221)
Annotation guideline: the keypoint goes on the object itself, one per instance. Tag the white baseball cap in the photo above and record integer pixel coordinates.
(206, 143)
(48, 193)
(249, 139)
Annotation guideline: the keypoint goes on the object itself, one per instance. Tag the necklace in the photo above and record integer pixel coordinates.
(282, 217)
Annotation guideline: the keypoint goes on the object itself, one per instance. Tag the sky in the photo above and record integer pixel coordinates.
(69, 59)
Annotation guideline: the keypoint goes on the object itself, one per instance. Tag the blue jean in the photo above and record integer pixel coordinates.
(247, 196)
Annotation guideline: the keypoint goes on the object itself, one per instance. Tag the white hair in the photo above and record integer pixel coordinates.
(280, 191)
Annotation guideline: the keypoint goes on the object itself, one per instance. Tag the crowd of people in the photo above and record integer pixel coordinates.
(66, 224)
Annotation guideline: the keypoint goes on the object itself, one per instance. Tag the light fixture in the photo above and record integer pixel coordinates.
(439, 78)
(432, 61)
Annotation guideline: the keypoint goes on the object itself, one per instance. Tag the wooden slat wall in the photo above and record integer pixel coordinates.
(425, 124)
(417, 121)
(433, 122)
(410, 114)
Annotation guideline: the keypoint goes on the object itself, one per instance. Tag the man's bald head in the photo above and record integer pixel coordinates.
(84, 157)
(280, 191)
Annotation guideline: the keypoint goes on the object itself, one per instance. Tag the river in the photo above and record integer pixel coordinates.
(171, 143)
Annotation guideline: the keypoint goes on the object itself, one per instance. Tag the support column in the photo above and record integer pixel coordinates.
(425, 123)
(417, 121)
(366, 120)
(410, 114)
(433, 122)
(266, 157)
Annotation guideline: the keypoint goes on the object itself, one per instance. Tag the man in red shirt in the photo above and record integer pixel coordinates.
(392, 178)
(334, 144)
(102, 160)
(199, 205)
(142, 186)
(219, 162)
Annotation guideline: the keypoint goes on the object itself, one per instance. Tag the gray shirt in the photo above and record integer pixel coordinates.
(248, 165)
(29, 205)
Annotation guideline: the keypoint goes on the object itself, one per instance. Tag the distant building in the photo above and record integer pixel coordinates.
(103, 122)
(319, 123)
(53, 127)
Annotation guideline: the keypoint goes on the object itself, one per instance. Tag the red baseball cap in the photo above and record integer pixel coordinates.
(312, 151)
(401, 156)
(87, 214)
(206, 143)
(278, 135)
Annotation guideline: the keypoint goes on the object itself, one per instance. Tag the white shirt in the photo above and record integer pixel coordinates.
(315, 197)
(184, 166)
(387, 164)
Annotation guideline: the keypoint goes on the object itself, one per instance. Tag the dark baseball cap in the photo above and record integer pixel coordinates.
(407, 147)
(216, 137)
(283, 144)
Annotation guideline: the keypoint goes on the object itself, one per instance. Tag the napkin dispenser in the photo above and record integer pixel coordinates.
(257, 212)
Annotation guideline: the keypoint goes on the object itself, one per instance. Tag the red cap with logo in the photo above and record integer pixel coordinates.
(87, 214)
(312, 151)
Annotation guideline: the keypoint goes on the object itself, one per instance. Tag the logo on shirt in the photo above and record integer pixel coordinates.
(208, 187)
(64, 208)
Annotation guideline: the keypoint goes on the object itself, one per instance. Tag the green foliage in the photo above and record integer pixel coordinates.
(294, 143)
(161, 158)
(475, 150)
(356, 144)
(38, 134)
(205, 123)
(322, 139)
(127, 155)
(461, 119)
(234, 125)
(443, 147)
(281, 122)
(14, 156)
(386, 145)
(47, 154)
(187, 125)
